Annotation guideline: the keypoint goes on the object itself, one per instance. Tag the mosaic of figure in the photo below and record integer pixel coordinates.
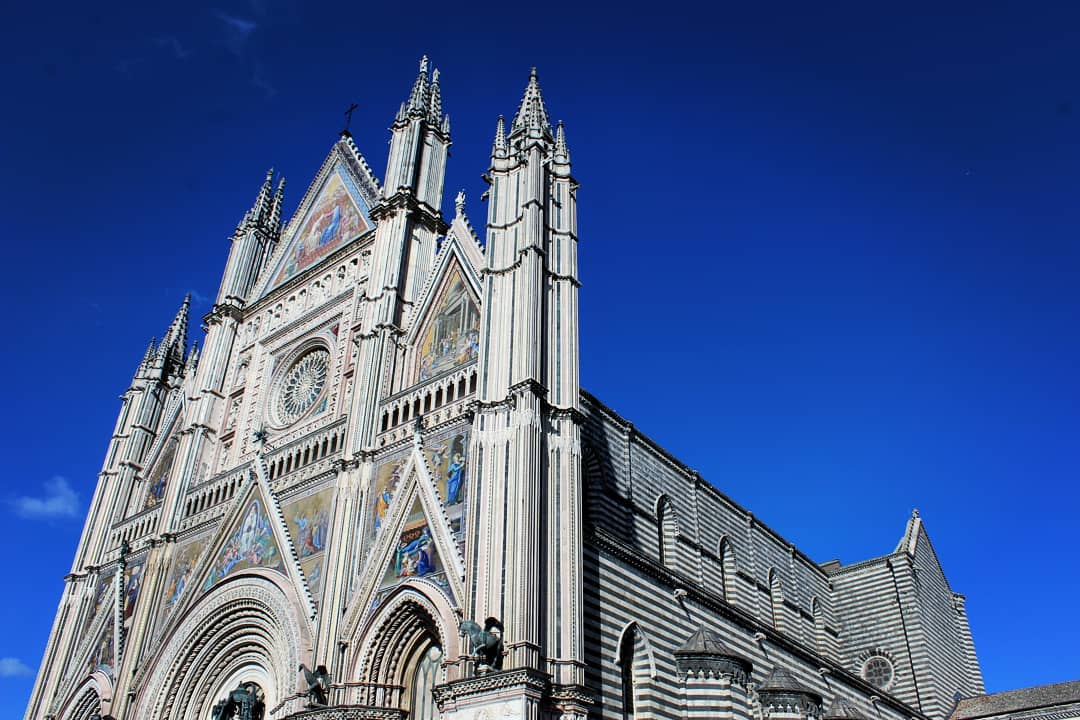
(133, 581)
(180, 573)
(251, 545)
(333, 219)
(447, 458)
(453, 336)
(101, 592)
(101, 659)
(309, 521)
(387, 479)
(415, 555)
(156, 491)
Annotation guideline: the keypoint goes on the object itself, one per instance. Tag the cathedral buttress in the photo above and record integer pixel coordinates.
(409, 223)
(524, 569)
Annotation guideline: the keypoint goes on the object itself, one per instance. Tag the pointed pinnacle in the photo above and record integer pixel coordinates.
(562, 152)
(532, 114)
(435, 101)
(275, 207)
(418, 96)
(175, 340)
(498, 149)
(192, 361)
(148, 356)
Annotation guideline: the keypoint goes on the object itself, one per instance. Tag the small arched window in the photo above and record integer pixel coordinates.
(776, 599)
(626, 672)
(819, 625)
(728, 570)
(637, 669)
(667, 531)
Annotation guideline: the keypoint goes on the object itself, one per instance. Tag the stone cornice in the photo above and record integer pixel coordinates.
(527, 679)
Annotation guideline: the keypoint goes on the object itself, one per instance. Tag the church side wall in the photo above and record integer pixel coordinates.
(626, 595)
(940, 647)
(717, 544)
(869, 601)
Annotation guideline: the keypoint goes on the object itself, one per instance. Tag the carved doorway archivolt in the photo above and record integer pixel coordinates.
(404, 653)
(245, 631)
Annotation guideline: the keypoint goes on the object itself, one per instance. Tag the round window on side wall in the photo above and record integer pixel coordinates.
(878, 671)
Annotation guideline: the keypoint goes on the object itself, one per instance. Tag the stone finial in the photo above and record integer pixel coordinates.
(419, 96)
(532, 115)
(434, 98)
(459, 203)
(499, 148)
(562, 152)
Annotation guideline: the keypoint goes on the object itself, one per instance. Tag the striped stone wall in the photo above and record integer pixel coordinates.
(667, 552)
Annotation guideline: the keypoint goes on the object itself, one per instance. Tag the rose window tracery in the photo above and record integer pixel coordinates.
(301, 386)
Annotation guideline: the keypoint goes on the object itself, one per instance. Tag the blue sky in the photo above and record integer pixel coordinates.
(829, 253)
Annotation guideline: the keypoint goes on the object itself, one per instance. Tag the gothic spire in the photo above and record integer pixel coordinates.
(192, 361)
(275, 206)
(498, 149)
(174, 344)
(261, 210)
(419, 95)
(148, 356)
(435, 99)
(531, 114)
(562, 152)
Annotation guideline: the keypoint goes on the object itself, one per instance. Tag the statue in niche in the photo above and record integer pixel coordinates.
(318, 685)
(243, 703)
(486, 642)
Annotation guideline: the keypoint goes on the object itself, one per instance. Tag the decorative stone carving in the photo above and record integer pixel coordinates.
(243, 703)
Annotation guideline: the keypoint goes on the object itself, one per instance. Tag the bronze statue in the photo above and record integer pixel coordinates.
(243, 703)
(318, 685)
(487, 644)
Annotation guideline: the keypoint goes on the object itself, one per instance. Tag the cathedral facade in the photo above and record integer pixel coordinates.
(376, 489)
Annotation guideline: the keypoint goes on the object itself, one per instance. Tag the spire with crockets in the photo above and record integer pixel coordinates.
(172, 351)
(531, 116)
(253, 243)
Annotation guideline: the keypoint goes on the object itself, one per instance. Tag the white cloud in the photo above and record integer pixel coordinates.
(13, 667)
(59, 501)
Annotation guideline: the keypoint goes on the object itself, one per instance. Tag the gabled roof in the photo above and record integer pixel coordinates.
(1013, 701)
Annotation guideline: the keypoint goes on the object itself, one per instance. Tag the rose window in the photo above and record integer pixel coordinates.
(301, 386)
(878, 671)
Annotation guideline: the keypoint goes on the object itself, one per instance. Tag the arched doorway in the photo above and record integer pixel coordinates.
(405, 652)
(246, 631)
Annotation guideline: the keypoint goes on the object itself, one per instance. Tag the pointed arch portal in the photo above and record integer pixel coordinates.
(409, 642)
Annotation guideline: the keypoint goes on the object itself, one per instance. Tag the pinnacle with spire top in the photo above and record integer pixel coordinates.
(435, 99)
(425, 99)
(175, 340)
(275, 206)
(498, 148)
(265, 213)
(531, 115)
(562, 152)
(418, 96)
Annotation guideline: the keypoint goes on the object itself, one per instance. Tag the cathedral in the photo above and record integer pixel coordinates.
(375, 489)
